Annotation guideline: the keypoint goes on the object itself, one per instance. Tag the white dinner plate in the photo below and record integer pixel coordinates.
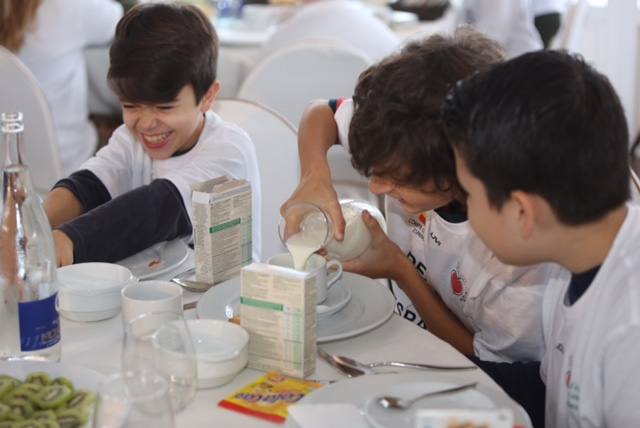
(371, 304)
(157, 259)
(362, 391)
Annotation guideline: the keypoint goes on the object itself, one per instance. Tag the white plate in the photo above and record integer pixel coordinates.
(362, 390)
(371, 304)
(157, 259)
(243, 35)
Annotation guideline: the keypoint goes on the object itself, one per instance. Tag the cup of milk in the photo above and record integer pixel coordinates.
(326, 272)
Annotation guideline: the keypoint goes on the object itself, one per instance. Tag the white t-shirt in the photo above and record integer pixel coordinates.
(509, 22)
(222, 149)
(53, 51)
(501, 304)
(590, 365)
(542, 7)
(341, 22)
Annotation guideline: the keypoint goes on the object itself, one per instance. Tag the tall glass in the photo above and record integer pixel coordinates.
(134, 400)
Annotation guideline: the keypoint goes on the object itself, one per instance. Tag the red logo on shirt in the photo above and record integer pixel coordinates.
(567, 378)
(423, 218)
(457, 284)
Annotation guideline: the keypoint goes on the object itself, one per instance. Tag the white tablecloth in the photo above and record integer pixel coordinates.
(97, 345)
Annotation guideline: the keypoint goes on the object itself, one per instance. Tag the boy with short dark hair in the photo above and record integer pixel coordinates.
(445, 277)
(541, 147)
(136, 191)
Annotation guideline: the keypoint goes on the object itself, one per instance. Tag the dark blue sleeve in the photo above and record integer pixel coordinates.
(522, 382)
(129, 223)
(87, 187)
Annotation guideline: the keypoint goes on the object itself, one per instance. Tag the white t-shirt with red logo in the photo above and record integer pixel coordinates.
(590, 366)
(501, 304)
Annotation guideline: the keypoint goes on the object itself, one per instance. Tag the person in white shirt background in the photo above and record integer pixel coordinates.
(547, 17)
(49, 36)
(509, 22)
(341, 22)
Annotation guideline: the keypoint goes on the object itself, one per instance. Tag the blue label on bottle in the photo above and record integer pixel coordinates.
(39, 324)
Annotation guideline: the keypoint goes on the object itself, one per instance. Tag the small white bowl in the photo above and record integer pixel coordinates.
(91, 291)
(222, 350)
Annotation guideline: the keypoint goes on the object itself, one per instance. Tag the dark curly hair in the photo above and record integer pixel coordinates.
(396, 131)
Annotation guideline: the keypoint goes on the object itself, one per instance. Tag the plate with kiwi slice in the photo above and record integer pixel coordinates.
(37, 394)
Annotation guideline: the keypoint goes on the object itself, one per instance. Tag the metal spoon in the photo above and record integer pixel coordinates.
(391, 402)
(354, 363)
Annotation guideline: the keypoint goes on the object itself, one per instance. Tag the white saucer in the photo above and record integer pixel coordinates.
(157, 259)
(370, 305)
(361, 391)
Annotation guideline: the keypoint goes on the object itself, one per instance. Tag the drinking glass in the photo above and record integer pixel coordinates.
(161, 342)
(134, 400)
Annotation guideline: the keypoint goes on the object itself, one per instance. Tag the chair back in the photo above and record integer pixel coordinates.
(21, 92)
(290, 78)
(275, 140)
(572, 26)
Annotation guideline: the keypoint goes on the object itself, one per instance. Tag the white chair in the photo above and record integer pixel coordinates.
(275, 139)
(19, 91)
(292, 77)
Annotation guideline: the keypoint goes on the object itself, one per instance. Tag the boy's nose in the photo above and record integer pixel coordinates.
(380, 186)
(146, 121)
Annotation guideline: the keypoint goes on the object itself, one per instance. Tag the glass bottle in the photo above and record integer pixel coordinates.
(29, 320)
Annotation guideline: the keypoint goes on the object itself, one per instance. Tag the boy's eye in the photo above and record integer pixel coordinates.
(165, 107)
(128, 106)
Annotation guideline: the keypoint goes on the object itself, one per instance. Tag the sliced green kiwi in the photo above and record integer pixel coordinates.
(29, 424)
(8, 424)
(42, 415)
(63, 381)
(46, 423)
(71, 418)
(20, 409)
(4, 411)
(81, 398)
(19, 393)
(52, 396)
(39, 378)
(7, 384)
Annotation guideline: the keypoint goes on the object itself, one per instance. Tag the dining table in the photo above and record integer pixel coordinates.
(98, 345)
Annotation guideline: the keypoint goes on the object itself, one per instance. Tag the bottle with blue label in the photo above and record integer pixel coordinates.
(228, 12)
(29, 320)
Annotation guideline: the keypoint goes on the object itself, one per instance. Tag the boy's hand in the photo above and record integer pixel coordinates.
(64, 248)
(318, 189)
(383, 259)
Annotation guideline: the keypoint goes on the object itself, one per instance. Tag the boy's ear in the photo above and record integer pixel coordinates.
(526, 213)
(209, 96)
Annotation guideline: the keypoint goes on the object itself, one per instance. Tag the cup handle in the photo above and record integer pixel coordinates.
(333, 275)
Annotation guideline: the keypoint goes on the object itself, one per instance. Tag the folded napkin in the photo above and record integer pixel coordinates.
(334, 415)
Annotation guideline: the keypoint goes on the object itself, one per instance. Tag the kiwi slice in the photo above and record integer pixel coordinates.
(7, 384)
(71, 418)
(20, 409)
(63, 381)
(46, 423)
(29, 424)
(8, 424)
(81, 398)
(39, 378)
(52, 396)
(42, 415)
(4, 411)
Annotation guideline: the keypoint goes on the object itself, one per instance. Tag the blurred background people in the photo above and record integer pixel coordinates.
(547, 17)
(49, 37)
(341, 22)
(509, 22)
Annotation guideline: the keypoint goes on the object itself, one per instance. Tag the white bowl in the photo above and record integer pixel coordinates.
(91, 291)
(222, 350)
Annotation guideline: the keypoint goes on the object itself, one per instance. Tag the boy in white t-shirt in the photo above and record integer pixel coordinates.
(136, 191)
(541, 146)
(446, 277)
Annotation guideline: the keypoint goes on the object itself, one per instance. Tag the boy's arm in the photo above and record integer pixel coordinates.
(125, 225)
(82, 191)
(317, 133)
(384, 259)
(522, 382)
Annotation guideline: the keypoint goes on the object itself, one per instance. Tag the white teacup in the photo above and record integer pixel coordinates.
(150, 296)
(317, 265)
